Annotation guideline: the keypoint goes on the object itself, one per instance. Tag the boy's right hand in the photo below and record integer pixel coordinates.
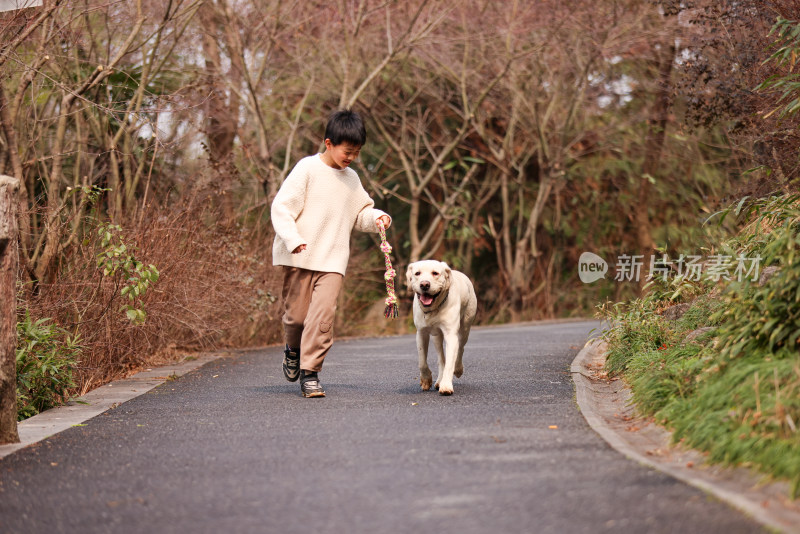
(299, 249)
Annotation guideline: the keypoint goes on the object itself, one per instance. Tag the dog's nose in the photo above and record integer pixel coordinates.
(424, 286)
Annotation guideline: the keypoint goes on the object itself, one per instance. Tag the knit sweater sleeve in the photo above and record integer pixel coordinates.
(288, 205)
(365, 220)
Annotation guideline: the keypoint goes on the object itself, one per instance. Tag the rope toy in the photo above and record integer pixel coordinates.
(391, 310)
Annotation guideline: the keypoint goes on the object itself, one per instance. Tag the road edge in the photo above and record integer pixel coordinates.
(98, 400)
(739, 487)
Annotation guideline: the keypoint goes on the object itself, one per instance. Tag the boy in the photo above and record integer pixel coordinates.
(316, 209)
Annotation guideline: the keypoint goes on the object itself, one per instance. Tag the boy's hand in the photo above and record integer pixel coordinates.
(386, 220)
(299, 249)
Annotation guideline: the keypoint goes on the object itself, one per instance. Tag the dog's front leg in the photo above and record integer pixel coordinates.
(437, 343)
(450, 356)
(459, 367)
(425, 377)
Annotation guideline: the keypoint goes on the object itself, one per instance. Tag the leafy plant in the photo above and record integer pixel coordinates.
(660, 377)
(702, 313)
(734, 391)
(766, 318)
(633, 329)
(787, 51)
(47, 356)
(117, 260)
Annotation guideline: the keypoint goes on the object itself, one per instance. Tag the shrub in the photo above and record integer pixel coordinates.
(734, 392)
(633, 328)
(765, 318)
(117, 261)
(214, 286)
(46, 355)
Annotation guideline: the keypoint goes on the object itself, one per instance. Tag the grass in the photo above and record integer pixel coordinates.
(743, 412)
(734, 390)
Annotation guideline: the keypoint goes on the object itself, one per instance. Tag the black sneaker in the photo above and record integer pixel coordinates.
(291, 364)
(310, 386)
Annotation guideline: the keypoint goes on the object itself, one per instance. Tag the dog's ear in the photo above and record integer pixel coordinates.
(447, 274)
(410, 276)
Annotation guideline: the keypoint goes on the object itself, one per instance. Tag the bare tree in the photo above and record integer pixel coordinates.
(263, 70)
(536, 129)
(82, 112)
(423, 113)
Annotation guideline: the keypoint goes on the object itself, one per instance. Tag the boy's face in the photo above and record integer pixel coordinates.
(342, 154)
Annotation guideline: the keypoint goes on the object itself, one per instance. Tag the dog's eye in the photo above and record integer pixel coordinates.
(417, 273)
(434, 273)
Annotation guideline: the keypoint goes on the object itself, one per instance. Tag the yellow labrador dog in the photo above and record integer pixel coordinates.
(444, 307)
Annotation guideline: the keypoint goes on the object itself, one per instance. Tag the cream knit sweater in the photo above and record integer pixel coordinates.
(319, 206)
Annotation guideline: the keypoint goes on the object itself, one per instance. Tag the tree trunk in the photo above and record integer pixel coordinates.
(220, 115)
(654, 145)
(8, 309)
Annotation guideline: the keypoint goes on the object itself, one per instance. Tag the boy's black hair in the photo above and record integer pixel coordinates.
(346, 126)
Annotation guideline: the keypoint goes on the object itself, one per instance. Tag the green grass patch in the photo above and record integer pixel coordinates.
(732, 391)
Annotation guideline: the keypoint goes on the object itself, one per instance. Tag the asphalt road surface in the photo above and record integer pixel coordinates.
(233, 447)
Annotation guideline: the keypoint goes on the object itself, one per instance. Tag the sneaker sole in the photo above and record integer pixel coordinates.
(291, 378)
(313, 394)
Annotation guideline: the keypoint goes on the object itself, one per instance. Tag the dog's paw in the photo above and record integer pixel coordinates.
(458, 371)
(445, 390)
(425, 383)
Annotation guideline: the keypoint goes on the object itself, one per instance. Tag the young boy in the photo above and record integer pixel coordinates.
(316, 209)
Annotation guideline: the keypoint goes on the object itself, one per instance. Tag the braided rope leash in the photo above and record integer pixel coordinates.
(391, 310)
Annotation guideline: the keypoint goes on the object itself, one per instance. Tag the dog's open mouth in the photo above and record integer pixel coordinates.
(425, 299)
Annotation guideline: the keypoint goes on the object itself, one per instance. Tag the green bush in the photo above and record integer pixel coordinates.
(47, 356)
(634, 328)
(735, 391)
(745, 415)
(766, 318)
(117, 261)
(662, 376)
(641, 331)
(703, 312)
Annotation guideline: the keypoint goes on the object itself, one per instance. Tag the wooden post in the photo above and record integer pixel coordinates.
(9, 262)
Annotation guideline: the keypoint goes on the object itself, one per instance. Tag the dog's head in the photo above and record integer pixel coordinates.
(428, 279)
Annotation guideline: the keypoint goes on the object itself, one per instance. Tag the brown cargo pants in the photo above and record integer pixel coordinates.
(309, 303)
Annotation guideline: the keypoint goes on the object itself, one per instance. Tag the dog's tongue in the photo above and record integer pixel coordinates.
(426, 300)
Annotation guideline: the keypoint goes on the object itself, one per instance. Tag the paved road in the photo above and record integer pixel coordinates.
(232, 447)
